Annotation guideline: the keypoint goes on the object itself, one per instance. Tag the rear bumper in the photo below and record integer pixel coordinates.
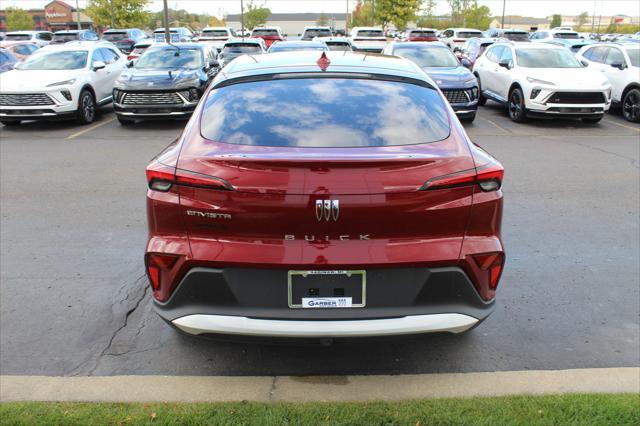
(244, 326)
(254, 302)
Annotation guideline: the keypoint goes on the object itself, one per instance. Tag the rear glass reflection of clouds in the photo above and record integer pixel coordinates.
(327, 112)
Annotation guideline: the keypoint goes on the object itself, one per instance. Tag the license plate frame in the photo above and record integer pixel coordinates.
(305, 273)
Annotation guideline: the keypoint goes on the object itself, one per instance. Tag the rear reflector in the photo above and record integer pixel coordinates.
(161, 178)
(156, 264)
(492, 263)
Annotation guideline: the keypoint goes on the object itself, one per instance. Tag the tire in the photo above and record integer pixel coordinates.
(481, 99)
(515, 104)
(125, 121)
(86, 108)
(468, 119)
(592, 120)
(631, 106)
(10, 123)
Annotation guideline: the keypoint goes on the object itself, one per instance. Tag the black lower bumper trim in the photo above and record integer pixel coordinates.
(261, 293)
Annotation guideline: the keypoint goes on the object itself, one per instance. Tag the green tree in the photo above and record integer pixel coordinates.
(18, 19)
(458, 10)
(582, 19)
(398, 12)
(254, 16)
(322, 21)
(215, 22)
(612, 28)
(429, 7)
(361, 15)
(556, 21)
(477, 16)
(126, 13)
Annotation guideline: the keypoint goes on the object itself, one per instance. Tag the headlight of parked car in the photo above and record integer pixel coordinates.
(538, 81)
(62, 83)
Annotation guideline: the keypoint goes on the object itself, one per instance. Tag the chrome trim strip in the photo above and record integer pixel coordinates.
(413, 324)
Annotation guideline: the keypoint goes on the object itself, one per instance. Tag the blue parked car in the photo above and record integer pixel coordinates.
(456, 82)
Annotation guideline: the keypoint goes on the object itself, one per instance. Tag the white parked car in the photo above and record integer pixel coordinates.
(457, 37)
(310, 33)
(70, 81)
(547, 36)
(368, 39)
(541, 79)
(39, 38)
(217, 36)
(620, 63)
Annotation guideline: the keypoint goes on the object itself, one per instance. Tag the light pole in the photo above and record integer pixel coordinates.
(167, 33)
(113, 14)
(503, 7)
(346, 20)
(593, 18)
(78, 14)
(242, 18)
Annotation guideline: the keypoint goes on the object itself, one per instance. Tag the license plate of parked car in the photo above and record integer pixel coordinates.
(327, 289)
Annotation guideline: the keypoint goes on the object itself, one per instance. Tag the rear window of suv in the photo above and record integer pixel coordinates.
(324, 112)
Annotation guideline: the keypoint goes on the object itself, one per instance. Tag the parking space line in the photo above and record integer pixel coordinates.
(622, 125)
(496, 125)
(88, 129)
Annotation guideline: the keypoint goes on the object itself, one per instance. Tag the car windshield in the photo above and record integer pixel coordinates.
(317, 33)
(427, 56)
(240, 48)
(115, 36)
(262, 33)
(61, 60)
(546, 58)
(468, 34)
(65, 37)
(634, 56)
(171, 59)
(214, 33)
(296, 47)
(18, 37)
(370, 33)
(566, 35)
(324, 112)
(516, 36)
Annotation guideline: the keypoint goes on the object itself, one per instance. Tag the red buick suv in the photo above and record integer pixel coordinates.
(325, 196)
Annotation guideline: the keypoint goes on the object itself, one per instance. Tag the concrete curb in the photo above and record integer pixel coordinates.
(306, 389)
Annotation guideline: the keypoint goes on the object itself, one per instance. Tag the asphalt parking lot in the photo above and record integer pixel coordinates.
(73, 298)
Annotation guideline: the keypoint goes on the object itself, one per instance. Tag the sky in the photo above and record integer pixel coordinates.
(534, 8)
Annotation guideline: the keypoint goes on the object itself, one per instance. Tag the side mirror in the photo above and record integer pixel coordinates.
(98, 65)
(214, 63)
(620, 66)
(466, 63)
(457, 49)
(505, 63)
(130, 64)
(585, 63)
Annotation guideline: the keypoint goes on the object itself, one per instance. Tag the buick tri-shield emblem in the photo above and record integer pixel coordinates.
(327, 210)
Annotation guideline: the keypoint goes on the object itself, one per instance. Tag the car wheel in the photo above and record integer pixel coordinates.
(516, 106)
(125, 121)
(86, 108)
(631, 106)
(9, 123)
(592, 120)
(481, 99)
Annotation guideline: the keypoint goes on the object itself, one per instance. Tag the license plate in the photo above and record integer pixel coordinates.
(327, 289)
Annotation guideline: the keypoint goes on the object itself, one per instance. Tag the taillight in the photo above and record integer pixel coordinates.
(161, 178)
(488, 177)
(157, 264)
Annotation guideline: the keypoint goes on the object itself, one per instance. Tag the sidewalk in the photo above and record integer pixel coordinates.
(305, 389)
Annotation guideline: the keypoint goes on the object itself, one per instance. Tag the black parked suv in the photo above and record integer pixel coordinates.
(65, 36)
(125, 39)
(165, 82)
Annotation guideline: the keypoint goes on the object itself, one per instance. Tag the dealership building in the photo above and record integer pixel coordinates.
(56, 15)
(293, 23)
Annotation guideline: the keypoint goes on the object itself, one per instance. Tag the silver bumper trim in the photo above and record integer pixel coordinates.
(413, 324)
